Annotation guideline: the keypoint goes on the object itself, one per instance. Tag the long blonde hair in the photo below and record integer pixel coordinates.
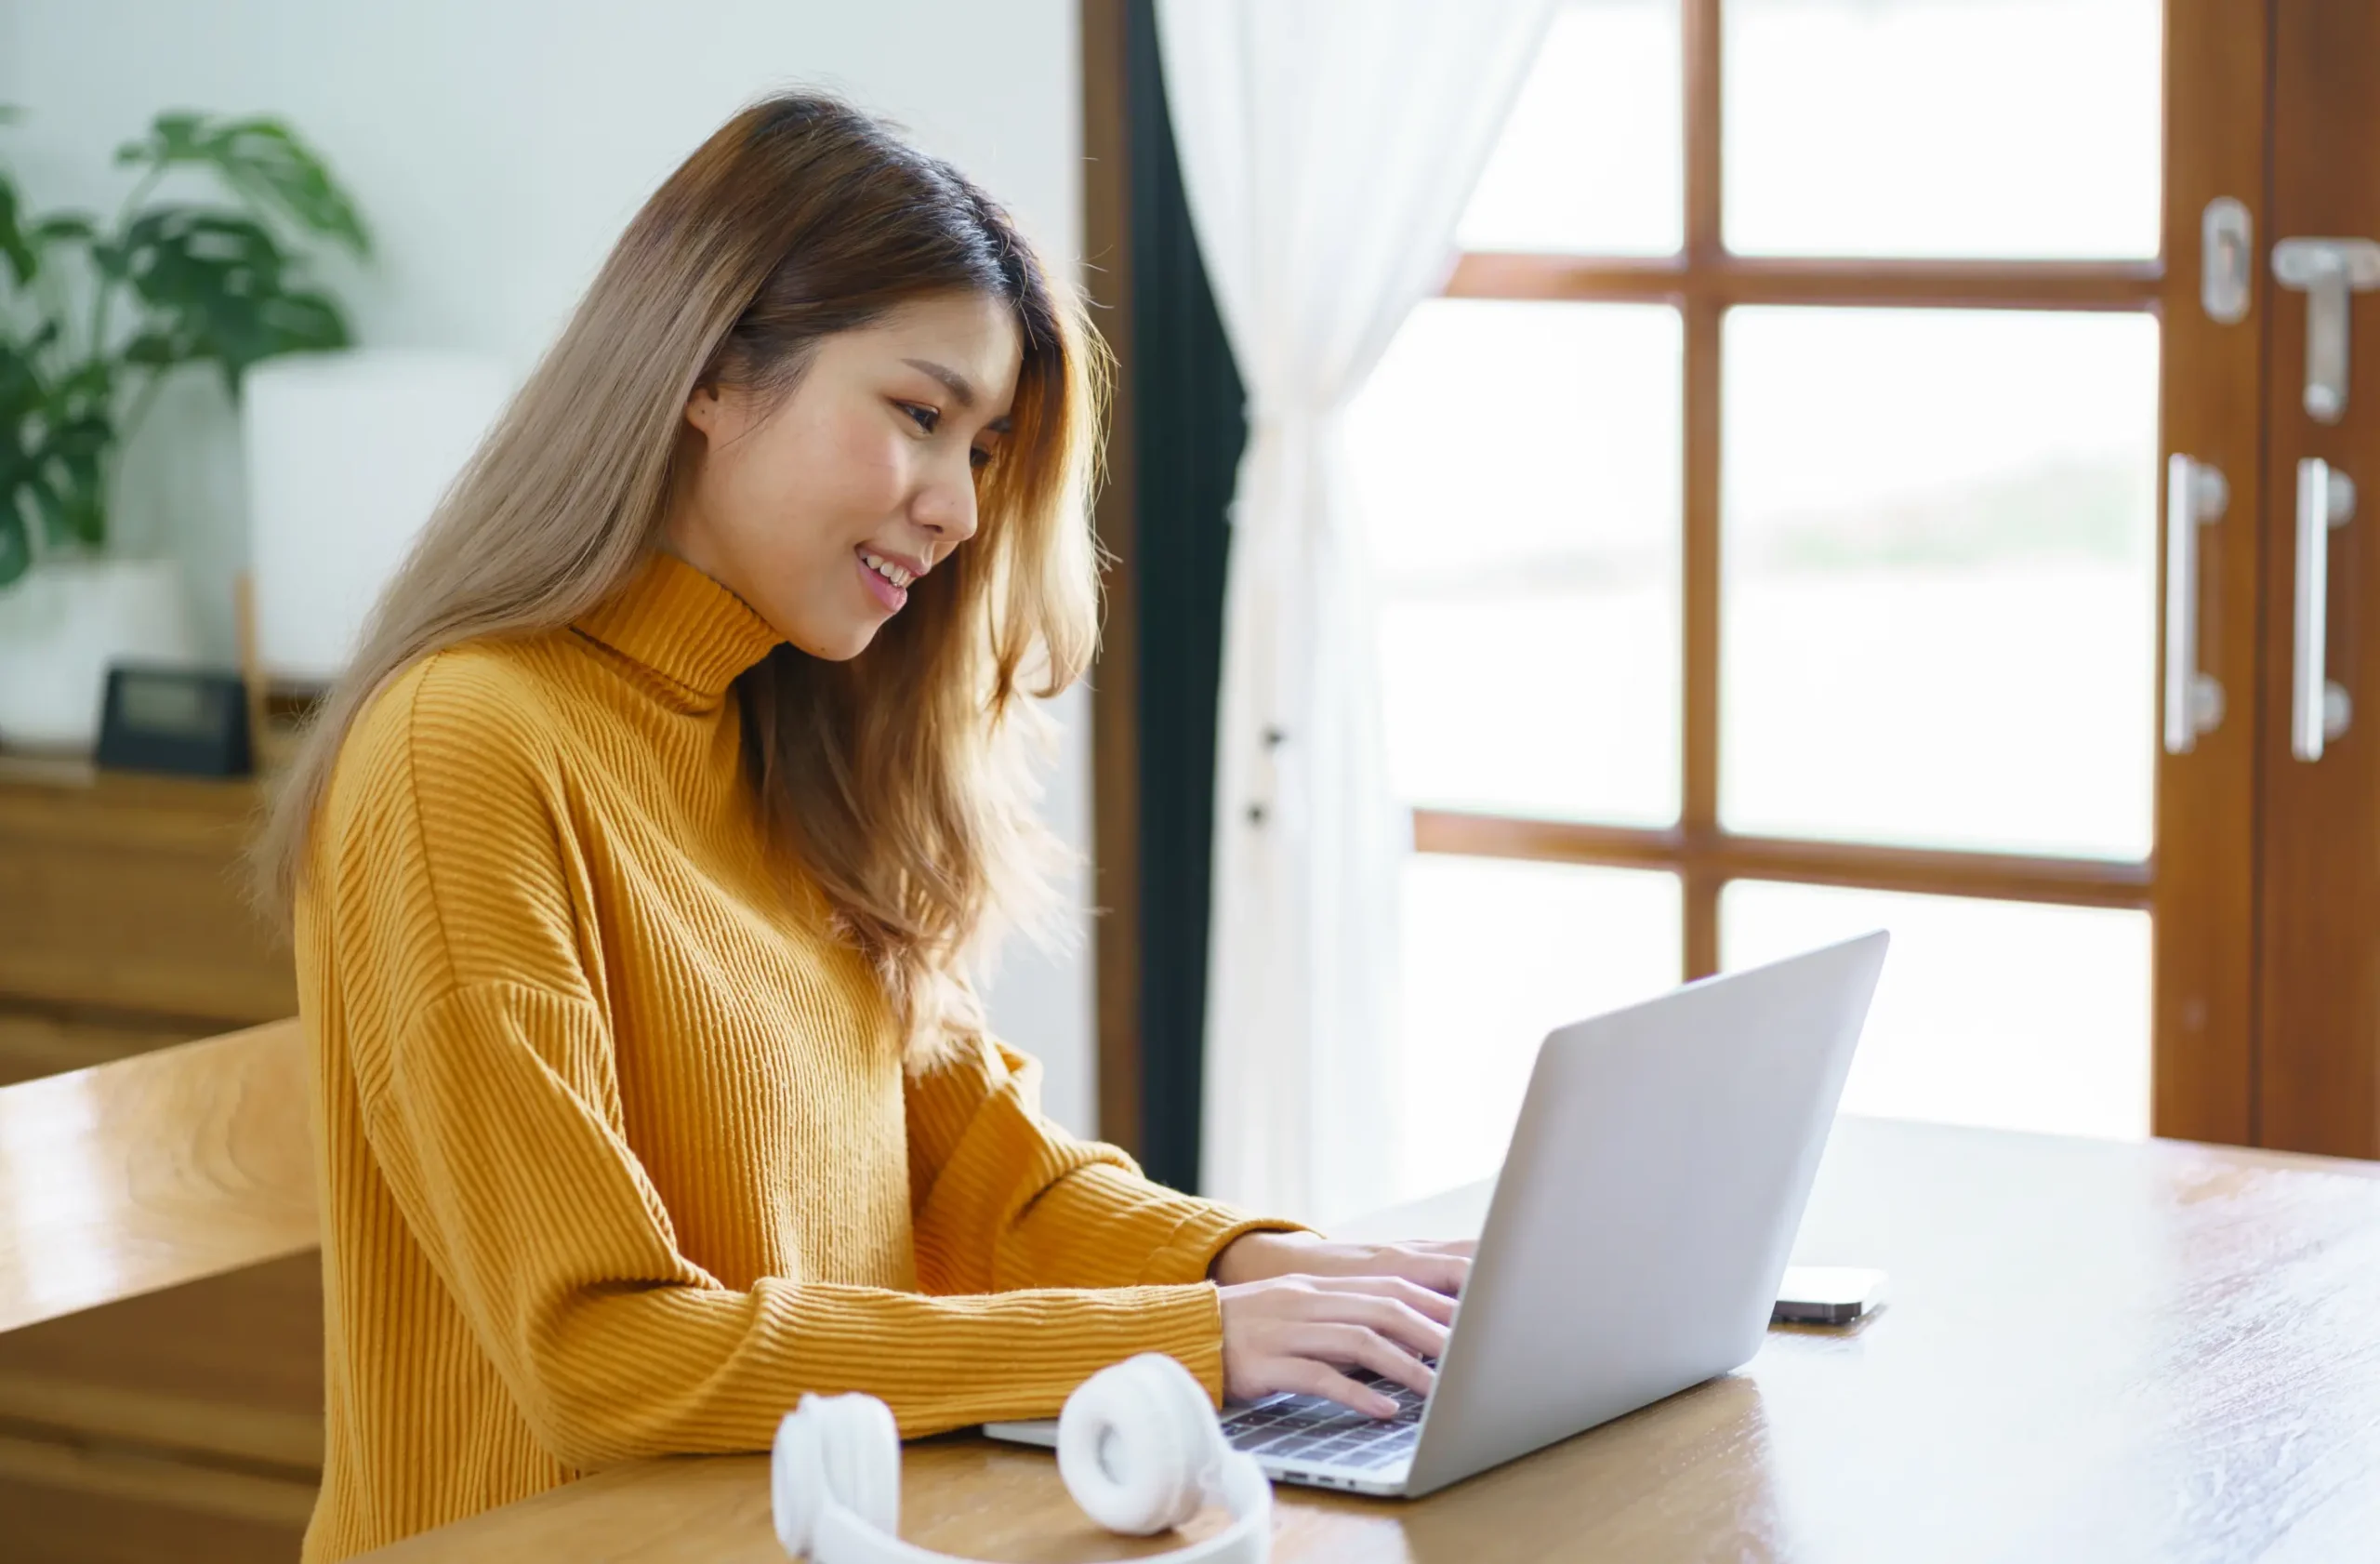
(896, 781)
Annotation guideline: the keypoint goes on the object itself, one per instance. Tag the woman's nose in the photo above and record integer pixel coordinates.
(947, 510)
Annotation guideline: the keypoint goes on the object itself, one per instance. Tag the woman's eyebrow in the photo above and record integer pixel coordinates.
(957, 383)
(961, 391)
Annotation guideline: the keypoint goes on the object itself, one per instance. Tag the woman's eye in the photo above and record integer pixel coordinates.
(926, 417)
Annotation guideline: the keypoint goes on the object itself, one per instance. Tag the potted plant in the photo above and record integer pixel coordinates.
(93, 319)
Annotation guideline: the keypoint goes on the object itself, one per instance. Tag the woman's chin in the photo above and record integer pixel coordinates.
(842, 644)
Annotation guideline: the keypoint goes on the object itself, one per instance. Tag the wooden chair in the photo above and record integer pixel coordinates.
(160, 1305)
(153, 1171)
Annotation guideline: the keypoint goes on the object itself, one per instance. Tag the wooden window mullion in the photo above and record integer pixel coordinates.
(1705, 248)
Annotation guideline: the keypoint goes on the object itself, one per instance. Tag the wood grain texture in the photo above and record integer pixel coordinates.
(2210, 377)
(1722, 280)
(129, 1177)
(38, 1043)
(1115, 681)
(122, 893)
(122, 1473)
(2319, 1000)
(1700, 538)
(44, 1524)
(2095, 1350)
(230, 1367)
(1721, 855)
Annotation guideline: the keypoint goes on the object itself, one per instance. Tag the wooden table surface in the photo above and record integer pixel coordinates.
(2093, 1352)
(153, 1171)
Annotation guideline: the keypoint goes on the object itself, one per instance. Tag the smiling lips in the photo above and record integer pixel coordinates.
(888, 576)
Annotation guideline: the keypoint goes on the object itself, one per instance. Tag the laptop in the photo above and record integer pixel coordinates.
(1635, 1239)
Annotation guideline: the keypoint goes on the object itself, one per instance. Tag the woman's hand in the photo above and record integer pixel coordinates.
(1297, 1332)
(1439, 1264)
(1298, 1309)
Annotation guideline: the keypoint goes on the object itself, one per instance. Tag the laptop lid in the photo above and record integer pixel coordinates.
(1647, 1207)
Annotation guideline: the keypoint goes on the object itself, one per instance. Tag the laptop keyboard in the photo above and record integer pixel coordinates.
(1288, 1427)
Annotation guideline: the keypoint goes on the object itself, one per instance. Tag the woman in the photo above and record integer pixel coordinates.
(637, 865)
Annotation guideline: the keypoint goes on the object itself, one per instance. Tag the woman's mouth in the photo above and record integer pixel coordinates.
(888, 579)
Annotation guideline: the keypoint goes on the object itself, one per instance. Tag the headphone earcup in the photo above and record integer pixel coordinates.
(842, 1448)
(1138, 1445)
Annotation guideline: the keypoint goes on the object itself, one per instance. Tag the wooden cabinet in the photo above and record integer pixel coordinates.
(193, 1415)
(124, 918)
(186, 1423)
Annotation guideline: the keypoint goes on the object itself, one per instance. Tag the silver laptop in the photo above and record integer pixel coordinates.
(1635, 1239)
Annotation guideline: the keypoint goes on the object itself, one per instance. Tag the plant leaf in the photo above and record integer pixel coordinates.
(21, 394)
(265, 162)
(156, 348)
(16, 246)
(64, 228)
(109, 260)
(219, 287)
(16, 547)
(74, 465)
(54, 439)
(173, 138)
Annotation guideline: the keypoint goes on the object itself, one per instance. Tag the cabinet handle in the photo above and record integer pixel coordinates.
(2195, 494)
(2318, 708)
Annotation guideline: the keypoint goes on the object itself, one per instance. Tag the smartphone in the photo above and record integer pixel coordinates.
(1827, 1295)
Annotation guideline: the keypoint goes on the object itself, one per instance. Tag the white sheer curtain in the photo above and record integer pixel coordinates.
(1328, 149)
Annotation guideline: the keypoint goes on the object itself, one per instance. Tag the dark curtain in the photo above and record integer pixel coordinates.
(1191, 427)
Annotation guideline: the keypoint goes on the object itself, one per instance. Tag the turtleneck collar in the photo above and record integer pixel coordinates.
(677, 622)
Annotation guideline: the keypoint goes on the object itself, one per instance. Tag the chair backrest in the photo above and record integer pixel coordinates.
(153, 1171)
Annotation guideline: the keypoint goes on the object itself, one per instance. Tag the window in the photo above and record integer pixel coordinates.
(1765, 524)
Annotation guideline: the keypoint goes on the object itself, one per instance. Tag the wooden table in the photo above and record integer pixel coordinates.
(161, 1340)
(2094, 1351)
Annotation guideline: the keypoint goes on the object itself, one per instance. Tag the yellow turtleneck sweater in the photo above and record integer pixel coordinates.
(616, 1149)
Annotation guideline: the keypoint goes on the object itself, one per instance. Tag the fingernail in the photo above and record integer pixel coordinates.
(1384, 1407)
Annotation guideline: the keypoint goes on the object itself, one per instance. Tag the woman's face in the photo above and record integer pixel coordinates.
(820, 512)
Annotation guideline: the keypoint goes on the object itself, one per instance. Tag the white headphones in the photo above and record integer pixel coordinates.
(1138, 1446)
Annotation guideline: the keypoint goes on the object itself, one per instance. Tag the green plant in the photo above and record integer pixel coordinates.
(93, 319)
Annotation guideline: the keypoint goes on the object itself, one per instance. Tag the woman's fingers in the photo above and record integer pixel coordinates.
(1365, 1348)
(1407, 1327)
(1425, 1301)
(1442, 1265)
(1296, 1332)
(1311, 1377)
(1438, 1272)
(1439, 1269)
(1444, 1273)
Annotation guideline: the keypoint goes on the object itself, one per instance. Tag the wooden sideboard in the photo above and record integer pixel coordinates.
(124, 922)
(186, 1423)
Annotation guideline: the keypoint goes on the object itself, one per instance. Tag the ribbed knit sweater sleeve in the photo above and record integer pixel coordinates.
(1006, 1199)
(493, 1129)
(487, 1074)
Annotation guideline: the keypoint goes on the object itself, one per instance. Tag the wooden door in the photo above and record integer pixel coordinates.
(2318, 1036)
(2213, 415)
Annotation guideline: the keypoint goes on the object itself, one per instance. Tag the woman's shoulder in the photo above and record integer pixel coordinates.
(478, 710)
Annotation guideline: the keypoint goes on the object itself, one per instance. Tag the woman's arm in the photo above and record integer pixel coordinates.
(1003, 1199)
(446, 912)
(490, 1122)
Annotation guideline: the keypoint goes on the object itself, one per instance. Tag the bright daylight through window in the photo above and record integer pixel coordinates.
(1929, 551)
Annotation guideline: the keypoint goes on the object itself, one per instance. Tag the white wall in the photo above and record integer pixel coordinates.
(496, 147)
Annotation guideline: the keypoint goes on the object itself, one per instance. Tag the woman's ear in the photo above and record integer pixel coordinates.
(704, 411)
